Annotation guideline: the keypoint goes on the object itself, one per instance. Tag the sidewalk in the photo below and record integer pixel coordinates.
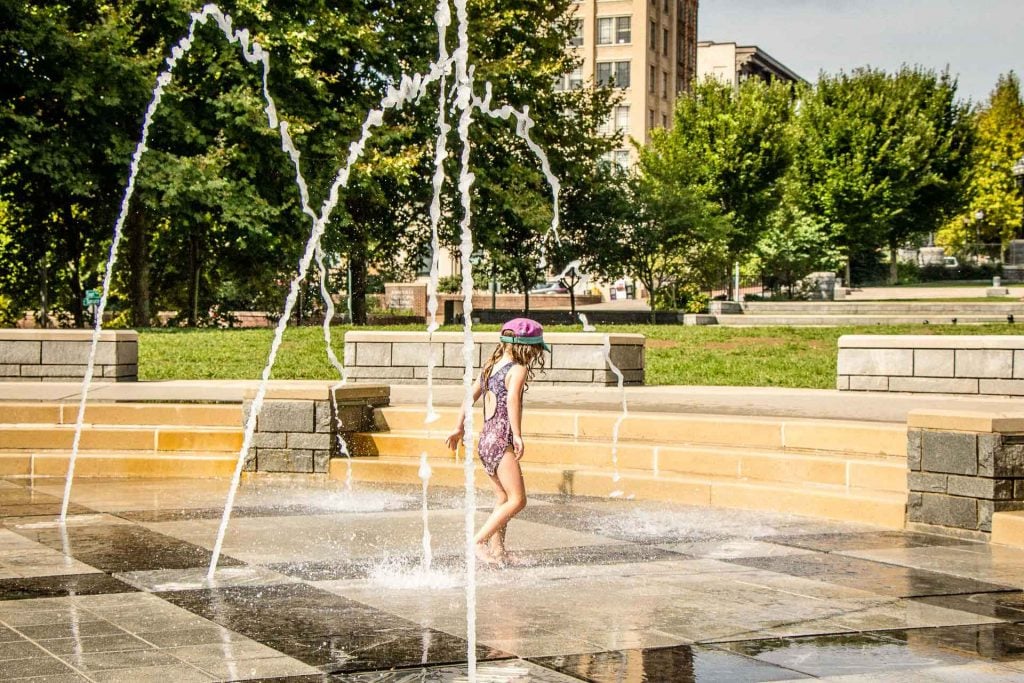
(768, 401)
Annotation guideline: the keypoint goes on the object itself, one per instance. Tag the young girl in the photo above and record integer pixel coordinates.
(502, 382)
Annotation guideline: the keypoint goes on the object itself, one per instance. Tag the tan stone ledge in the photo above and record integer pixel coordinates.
(985, 342)
(588, 338)
(319, 390)
(966, 421)
(67, 335)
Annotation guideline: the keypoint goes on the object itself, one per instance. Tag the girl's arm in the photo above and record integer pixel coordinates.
(455, 437)
(516, 382)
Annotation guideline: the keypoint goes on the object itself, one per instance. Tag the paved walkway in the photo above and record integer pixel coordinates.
(322, 584)
(810, 403)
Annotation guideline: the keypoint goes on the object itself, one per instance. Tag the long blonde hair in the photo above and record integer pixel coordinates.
(530, 356)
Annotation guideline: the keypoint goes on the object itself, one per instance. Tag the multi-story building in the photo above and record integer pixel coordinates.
(648, 49)
(733, 64)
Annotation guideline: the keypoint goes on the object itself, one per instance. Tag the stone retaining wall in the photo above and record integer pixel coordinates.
(297, 429)
(401, 357)
(953, 364)
(37, 355)
(963, 467)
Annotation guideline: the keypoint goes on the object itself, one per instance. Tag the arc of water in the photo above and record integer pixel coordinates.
(622, 416)
(523, 125)
(252, 54)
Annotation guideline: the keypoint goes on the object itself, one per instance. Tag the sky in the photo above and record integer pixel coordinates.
(976, 39)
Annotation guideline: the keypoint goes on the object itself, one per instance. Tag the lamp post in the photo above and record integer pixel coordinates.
(979, 218)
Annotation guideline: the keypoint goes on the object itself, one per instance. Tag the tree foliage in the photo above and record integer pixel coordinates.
(881, 157)
(992, 188)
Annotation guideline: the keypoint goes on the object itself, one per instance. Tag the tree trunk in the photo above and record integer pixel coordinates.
(44, 294)
(74, 262)
(358, 266)
(193, 281)
(894, 271)
(138, 267)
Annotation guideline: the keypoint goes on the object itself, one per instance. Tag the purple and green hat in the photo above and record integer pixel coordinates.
(524, 331)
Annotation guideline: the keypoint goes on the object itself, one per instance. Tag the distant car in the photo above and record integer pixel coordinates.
(950, 262)
(554, 287)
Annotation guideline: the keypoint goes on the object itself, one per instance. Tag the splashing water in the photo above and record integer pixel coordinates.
(408, 89)
(587, 327)
(399, 575)
(424, 473)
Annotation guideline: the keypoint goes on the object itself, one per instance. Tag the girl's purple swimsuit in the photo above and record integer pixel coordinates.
(496, 435)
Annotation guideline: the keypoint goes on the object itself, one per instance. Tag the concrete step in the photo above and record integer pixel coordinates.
(915, 308)
(774, 433)
(122, 438)
(1008, 528)
(50, 463)
(827, 320)
(164, 414)
(830, 502)
(875, 473)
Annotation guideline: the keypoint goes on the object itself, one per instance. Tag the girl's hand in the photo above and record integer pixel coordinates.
(518, 447)
(454, 439)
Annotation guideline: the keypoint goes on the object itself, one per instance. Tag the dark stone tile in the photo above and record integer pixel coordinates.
(36, 666)
(124, 547)
(81, 629)
(990, 642)
(875, 577)
(7, 635)
(18, 649)
(845, 654)
(682, 664)
(511, 671)
(61, 586)
(323, 629)
(873, 540)
(25, 501)
(121, 642)
(1007, 606)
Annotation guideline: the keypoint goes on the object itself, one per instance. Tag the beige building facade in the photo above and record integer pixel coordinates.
(646, 48)
(733, 64)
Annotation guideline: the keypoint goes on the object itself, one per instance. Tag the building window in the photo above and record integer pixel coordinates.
(664, 85)
(570, 81)
(577, 33)
(666, 7)
(622, 118)
(664, 121)
(651, 80)
(664, 41)
(654, 36)
(650, 118)
(613, 73)
(622, 159)
(614, 30)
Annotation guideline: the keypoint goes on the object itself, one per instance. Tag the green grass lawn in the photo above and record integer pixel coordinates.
(758, 356)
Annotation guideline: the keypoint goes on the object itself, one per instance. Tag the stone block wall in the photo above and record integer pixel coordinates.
(36, 355)
(297, 429)
(953, 364)
(963, 467)
(402, 357)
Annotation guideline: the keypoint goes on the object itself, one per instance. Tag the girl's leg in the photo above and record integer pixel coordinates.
(497, 541)
(510, 476)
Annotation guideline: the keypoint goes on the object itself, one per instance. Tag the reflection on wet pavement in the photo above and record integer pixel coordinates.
(323, 584)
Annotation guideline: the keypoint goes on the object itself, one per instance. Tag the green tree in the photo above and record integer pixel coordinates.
(73, 80)
(881, 157)
(734, 145)
(992, 187)
(677, 238)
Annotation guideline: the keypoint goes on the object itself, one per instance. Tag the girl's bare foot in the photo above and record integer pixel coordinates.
(484, 555)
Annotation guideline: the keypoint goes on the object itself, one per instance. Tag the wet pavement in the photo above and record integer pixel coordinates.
(321, 584)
